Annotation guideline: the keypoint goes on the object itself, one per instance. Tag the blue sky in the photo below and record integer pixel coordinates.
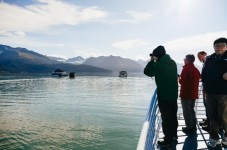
(127, 28)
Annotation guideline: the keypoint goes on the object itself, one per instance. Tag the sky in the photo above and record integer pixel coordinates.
(126, 28)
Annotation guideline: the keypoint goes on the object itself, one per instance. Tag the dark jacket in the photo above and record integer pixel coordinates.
(212, 74)
(189, 80)
(165, 72)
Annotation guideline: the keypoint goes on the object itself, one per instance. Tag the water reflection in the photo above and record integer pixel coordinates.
(190, 142)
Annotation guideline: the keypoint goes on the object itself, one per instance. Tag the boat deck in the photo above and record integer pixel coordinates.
(152, 131)
(193, 141)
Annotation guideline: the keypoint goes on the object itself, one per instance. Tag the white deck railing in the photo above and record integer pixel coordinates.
(150, 127)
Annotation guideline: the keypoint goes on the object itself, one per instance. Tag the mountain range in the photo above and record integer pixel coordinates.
(114, 63)
(20, 60)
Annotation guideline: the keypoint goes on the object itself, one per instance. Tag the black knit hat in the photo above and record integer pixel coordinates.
(159, 51)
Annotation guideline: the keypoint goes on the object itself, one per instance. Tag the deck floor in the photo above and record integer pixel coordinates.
(196, 141)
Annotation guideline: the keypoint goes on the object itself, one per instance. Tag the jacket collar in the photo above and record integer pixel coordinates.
(164, 58)
(215, 56)
(188, 64)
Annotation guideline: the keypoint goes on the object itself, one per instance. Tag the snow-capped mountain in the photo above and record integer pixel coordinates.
(57, 58)
(75, 60)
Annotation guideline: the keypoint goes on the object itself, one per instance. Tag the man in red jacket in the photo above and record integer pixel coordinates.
(189, 80)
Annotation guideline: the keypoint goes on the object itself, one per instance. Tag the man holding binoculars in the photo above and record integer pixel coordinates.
(164, 69)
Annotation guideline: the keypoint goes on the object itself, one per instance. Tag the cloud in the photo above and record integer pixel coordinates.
(26, 42)
(136, 17)
(19, 33)
(140, 57)
(195, 42)
(88, 52)
(130, 44)
(176, 7)
(45, 14)
(10, 34)
(178, 48)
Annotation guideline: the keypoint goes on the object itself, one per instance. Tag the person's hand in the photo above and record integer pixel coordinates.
(152, 57)
(225, 76)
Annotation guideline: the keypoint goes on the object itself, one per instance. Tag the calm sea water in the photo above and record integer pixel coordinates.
(85, 113)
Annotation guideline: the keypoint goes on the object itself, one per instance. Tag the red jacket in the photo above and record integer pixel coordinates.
(189, 80)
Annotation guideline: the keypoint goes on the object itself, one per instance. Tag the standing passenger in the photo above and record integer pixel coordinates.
(189, 80)
(205, 123)
(164, 69)
(214, 78)
(202, 56)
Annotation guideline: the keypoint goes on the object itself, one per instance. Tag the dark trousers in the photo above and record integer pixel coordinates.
(168, 110)
(204, 102)
(189, 112)
(217, 112)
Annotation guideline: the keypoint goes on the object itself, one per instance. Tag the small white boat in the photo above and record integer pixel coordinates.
(123, 74)
(59, 73)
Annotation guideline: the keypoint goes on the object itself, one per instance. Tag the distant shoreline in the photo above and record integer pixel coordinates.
(6, 75)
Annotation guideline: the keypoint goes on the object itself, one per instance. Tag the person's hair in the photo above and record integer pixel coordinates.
(202, 53)
(220, 40)
(190, 58)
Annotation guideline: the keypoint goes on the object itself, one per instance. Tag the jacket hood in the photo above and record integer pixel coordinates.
(165, 58)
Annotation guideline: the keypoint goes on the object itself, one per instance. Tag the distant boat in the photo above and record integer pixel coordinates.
(59, 73)
(72, 74)
(123, 74)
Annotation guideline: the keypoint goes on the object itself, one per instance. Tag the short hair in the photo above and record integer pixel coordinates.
(202, 53)
(190, 58)
(220, 40)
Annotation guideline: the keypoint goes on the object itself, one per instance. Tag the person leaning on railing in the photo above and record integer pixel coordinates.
(164, 69)
(214, 78)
